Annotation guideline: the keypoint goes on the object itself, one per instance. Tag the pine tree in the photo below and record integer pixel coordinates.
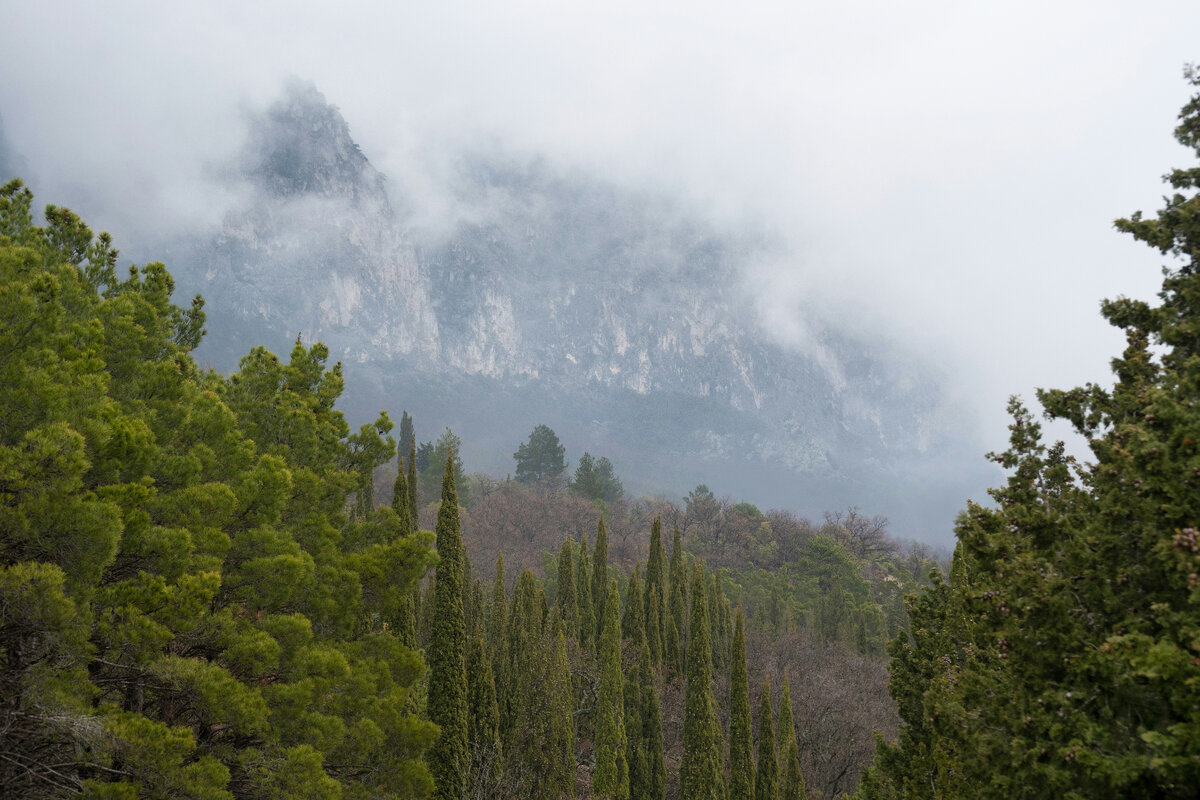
(741, 760)
(600, 576)
(611, 776)
(567, 600)
(655, 583)
(766, 779)
(406, 441)
(700, 771)
(791, 779)
(448, 758)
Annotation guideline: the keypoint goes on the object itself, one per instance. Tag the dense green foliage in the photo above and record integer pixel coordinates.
(540, 458)
(701, 771)
(766, 779)
(596, 479)
(1060, 660)
(448, 758)
(741, 761)
(186, 608)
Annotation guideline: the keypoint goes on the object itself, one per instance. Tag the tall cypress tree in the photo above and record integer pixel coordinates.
(406, 611)
(654, 785)
(498, 616)
(611, 778)
(400, 497)
(700, 771)
(766, 780)
(567, 599)
(676, 601)
(448, 758)
(600, 576)
(655, 581)
(483, 721)
(654, 644)
(791, 779)
(633, 618)
(741, 759)
(414, 510)
(583, 587)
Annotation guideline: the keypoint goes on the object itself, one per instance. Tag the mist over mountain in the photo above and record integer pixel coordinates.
(613, 316)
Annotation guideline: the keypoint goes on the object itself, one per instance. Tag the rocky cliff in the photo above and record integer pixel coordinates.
(614, 317)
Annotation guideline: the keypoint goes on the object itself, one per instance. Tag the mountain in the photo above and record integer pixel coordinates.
(611, 315)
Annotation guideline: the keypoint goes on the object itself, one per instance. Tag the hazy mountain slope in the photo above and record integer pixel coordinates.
(611, 316)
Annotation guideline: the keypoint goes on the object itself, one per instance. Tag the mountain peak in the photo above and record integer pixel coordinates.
(301, 145)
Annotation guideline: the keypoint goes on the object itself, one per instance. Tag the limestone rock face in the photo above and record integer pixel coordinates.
(611, 316)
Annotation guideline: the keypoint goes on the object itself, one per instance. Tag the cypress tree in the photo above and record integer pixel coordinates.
(676, 603)
(400, 498)
(671, 649)
(654, 643)
(766, 781)
(428, 610)
(654, 785)
(483, 721)
(741, 760)
(700, 771)
(600, 576)
(791, 779)
(560, 741)
(406, 611)
(636, 754)
(655, 582)
(448, 758)
(411, 483)
(611, 778)
(497, 618)
(583, 587)
(633, 620)
(567, 600)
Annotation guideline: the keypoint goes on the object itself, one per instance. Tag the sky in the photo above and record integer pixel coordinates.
(941, 175)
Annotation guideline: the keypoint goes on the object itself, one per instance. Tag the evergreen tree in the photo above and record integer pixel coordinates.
(400, 497)
(566, 599)
(611, 776)
(414, 509)
(741, 761)
(498, 617)
(407, 441)
(674, 644)
(483, 721)
(633, 619)
(596, 479)
(583, 587)
(654, 645)
(600, 576)
(656, 586)
(448, 758)
(791, 779)
(1059, 660)
(541, 458)
(766, 779)
(700, 771)
(652, 784)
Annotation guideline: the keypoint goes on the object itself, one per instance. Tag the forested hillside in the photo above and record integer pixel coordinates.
(204, 594)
